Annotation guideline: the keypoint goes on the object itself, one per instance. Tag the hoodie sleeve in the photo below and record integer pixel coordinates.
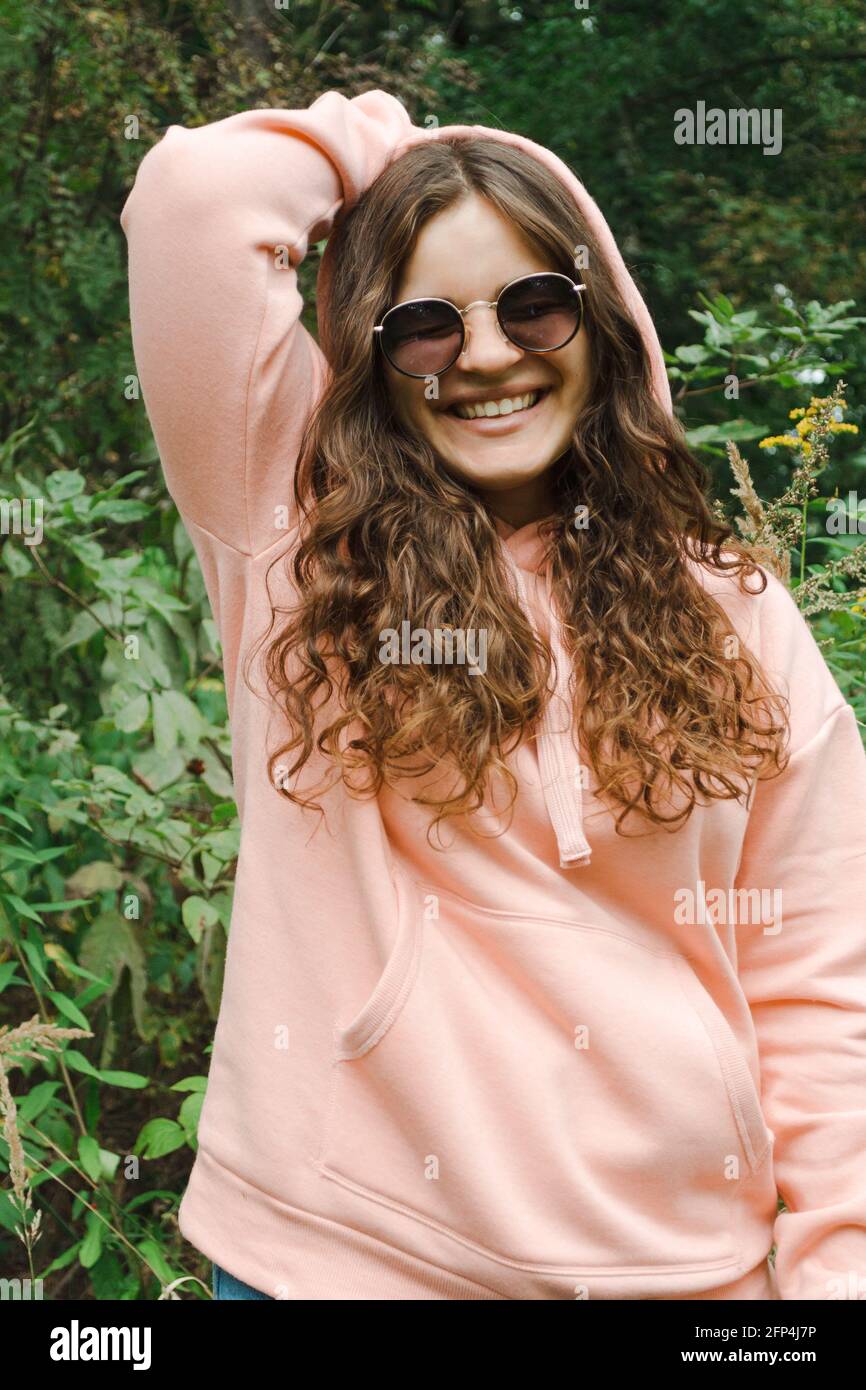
(217, 222)
(806, 980)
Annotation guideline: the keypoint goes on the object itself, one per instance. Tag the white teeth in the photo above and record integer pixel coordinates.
(475, 409)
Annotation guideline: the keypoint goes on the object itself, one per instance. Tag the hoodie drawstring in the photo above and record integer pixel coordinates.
(558, 757)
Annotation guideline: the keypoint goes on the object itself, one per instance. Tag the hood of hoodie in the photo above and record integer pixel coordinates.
(563, 778)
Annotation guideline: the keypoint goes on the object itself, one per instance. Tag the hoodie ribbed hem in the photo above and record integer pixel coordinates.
(238, 1227)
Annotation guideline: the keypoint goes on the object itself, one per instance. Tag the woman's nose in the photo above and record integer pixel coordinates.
(486, 347)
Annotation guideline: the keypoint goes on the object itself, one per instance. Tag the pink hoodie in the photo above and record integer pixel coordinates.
(554, 1063)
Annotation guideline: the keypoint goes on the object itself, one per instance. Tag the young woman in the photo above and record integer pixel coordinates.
(547, 965)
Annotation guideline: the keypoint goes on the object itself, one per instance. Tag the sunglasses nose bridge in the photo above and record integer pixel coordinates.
(483, 304)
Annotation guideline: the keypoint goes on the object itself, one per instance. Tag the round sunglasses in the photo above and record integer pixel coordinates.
(537, 313)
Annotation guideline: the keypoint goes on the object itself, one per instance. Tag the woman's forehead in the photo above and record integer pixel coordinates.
(466, 252)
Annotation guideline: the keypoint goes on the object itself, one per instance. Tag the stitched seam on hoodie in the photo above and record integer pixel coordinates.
(342, 1226)
(227, 545)
(805, 747)
(559, 1271)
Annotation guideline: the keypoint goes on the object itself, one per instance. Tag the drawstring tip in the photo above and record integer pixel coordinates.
(580, 860)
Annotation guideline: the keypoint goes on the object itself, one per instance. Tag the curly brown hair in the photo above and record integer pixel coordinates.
(387, 534)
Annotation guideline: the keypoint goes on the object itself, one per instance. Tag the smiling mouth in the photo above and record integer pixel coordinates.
(492, 410)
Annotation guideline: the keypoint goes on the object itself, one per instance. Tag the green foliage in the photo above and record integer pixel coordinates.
(117, 851)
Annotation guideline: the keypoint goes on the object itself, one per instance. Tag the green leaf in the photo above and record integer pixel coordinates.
(737, 430)
(61, 905)
(159, 770)
(68, 1009)
(176, 718)
(91, 1246)
(158, 599)
(65, 483)
(155, 1259)
(17, 559)
(189, 1117)
(78, 1062)
(133, 715)
(110, 946)
(159, 1137)
(130, 1080)
(215, 776)
(99, 876)
(694, 354)
(81, 629)
(111, 1281)
(88, 1154)
(121, 509)
(8, 976)
(197, 914)
(76, 969)
(150, 1194)
(112, 779)
(10, 1217)
(35, 955)
(63, 1260)
(87, 550)
(36, 1100)
(32, 856)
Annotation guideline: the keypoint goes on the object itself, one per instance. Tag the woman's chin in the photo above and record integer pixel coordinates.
(497, 470)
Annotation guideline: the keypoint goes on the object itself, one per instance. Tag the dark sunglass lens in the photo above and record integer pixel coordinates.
(540, 313)
(422, 338)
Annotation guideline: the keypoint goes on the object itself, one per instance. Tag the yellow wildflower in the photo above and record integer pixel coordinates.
(785, 441)
(807, 423)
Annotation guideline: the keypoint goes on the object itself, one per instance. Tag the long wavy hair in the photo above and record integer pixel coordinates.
(667, 711)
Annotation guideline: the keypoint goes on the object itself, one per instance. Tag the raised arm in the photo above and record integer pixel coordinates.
(227, 371)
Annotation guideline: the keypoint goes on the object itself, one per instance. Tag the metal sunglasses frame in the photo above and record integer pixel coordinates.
(487, 304)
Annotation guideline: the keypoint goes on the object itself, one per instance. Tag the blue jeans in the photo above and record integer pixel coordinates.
(225, 1285)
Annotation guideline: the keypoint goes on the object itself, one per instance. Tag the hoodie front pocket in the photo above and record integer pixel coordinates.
(551, 1093)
